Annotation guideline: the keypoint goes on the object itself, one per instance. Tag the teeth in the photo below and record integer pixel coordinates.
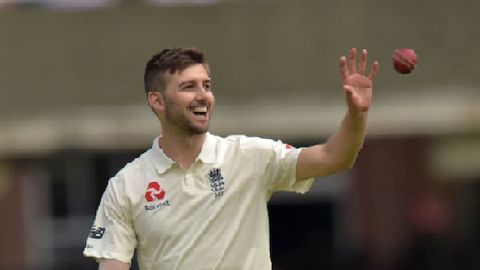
(200, 109)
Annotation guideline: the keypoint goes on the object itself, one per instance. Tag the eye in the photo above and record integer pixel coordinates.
(207, 86)
(188, 87)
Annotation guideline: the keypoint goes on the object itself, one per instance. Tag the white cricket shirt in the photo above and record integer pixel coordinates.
(212, 216)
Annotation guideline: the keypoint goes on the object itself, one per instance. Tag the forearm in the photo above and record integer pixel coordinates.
(111, 264)
(341, 149)
(343, 146)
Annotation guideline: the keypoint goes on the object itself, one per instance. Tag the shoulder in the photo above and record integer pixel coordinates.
(262, 147)
(132, 171)
(251, 148)
(135, 166)
(245, 143)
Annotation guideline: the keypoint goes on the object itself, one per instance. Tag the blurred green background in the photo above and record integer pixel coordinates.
(73, 111)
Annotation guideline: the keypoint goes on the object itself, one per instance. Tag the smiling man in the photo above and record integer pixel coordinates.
(199, 201)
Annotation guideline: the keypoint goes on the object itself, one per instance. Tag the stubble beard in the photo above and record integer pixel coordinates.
(177, 118)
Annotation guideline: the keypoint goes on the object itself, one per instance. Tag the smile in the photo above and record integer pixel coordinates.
(200, 111)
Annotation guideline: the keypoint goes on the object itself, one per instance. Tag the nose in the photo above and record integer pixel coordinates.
(201, 93)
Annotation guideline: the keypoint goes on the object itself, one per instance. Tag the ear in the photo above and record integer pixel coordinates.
(156, 101)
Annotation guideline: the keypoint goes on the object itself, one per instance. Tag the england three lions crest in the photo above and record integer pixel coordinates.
(217, 184)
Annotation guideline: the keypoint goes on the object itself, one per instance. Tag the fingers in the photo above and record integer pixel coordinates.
(343, 68)
(363, 62)
(352, 61)
(349, 67)
(373, 71)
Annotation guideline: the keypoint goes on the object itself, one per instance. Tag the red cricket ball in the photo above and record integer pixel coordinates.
(404, 60)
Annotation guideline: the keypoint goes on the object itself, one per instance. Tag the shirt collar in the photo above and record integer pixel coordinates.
(162, 162)
(208, 152)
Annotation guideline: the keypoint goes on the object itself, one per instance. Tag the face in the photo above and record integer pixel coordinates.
(189, 100)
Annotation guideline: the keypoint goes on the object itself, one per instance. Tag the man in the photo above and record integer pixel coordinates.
(199, 201)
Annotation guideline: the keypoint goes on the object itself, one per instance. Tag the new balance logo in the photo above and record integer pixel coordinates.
(97, 232)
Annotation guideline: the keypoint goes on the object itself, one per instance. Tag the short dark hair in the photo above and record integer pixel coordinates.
(171, 60)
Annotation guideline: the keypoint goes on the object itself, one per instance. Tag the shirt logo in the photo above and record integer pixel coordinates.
(154, 196)
(216, 182)
(154, 192)
(96, 232)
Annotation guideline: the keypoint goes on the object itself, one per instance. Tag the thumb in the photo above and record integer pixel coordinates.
(351, 97)
(349, 93)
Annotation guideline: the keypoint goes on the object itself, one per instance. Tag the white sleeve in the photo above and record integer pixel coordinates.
(112, 235)
(282, 169)
(276, 163)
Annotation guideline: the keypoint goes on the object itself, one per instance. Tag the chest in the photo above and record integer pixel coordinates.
(182, 204)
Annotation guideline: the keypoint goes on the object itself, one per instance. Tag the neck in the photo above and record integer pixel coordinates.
(183, 149)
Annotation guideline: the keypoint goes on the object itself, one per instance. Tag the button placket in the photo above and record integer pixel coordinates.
(189, 180)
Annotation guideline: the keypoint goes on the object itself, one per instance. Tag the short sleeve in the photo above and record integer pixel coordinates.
(112, 235)
(282, 169)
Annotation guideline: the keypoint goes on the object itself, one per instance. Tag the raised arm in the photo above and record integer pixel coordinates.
(340, 150)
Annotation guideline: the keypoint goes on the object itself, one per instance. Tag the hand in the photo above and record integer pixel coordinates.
(356, 85)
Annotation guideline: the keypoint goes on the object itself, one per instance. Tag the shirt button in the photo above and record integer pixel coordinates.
(188, 179)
